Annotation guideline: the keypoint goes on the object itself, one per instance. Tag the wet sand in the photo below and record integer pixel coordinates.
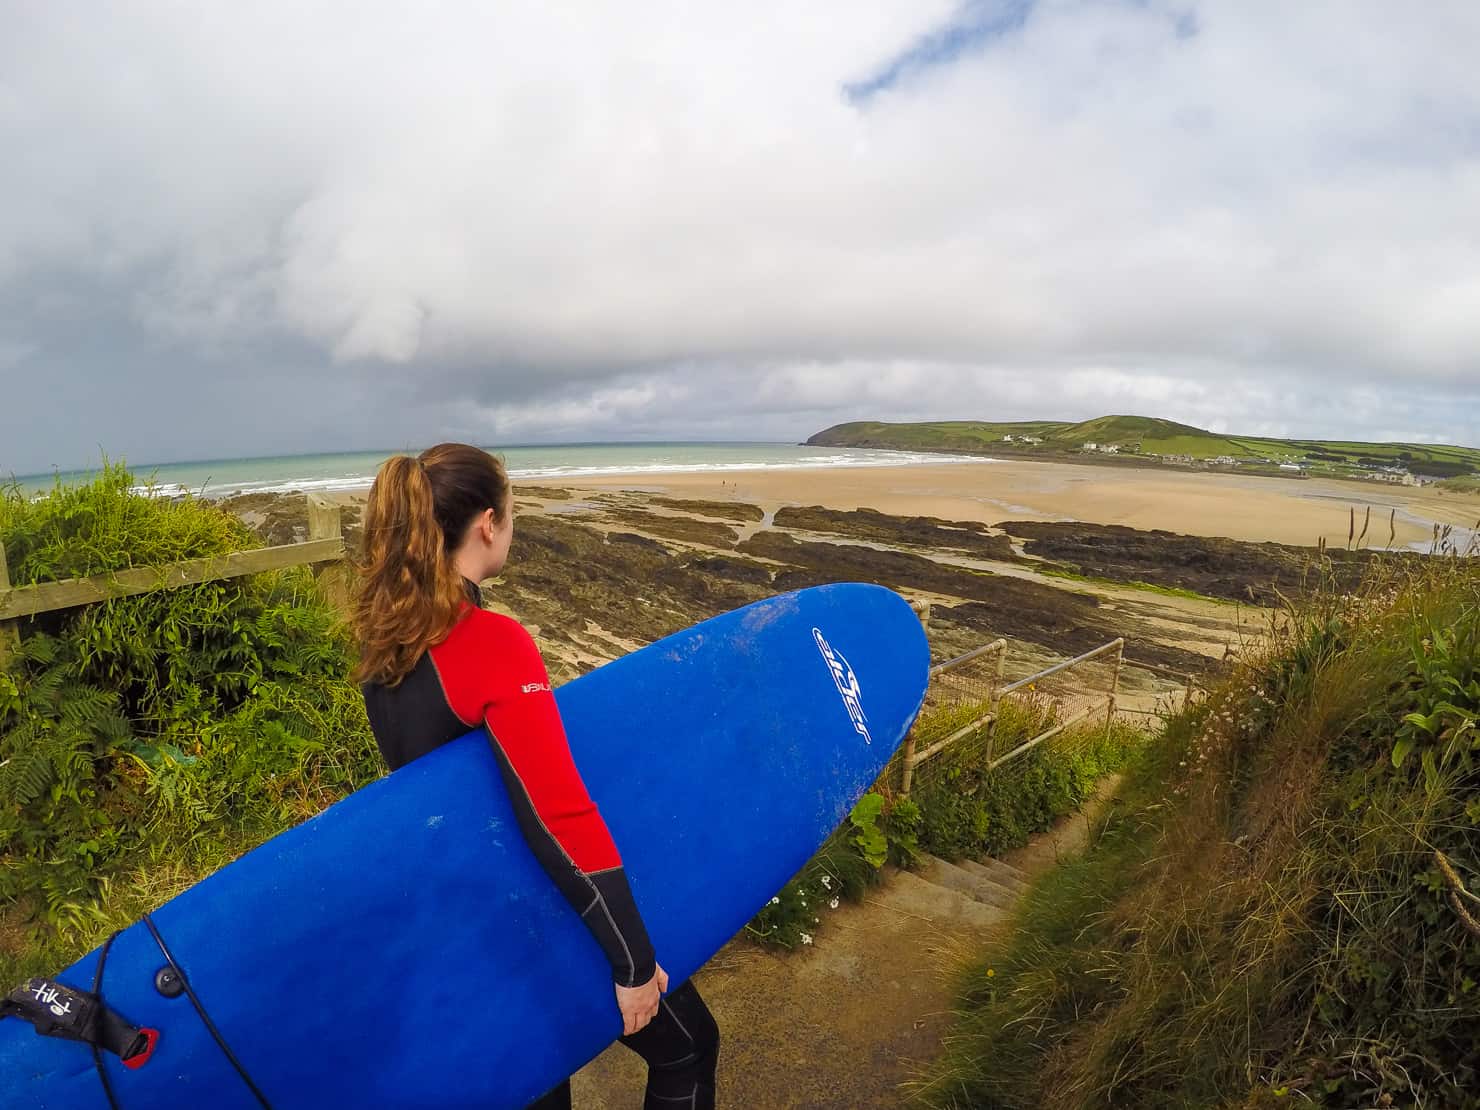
(1300, 512)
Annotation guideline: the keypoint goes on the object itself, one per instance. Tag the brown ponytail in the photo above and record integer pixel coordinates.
(410, 593)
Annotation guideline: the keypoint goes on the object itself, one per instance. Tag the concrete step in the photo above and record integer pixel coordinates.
(1004, 874)
(910, 894)
(969, 883)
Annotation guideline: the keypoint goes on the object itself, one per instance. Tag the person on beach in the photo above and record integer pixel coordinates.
(434, 663)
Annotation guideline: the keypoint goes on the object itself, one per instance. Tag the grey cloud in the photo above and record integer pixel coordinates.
(526, 212)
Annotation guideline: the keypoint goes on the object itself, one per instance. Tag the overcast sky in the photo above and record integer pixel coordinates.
(257, 228)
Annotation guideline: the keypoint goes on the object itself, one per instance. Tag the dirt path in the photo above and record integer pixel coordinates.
(839, 1025)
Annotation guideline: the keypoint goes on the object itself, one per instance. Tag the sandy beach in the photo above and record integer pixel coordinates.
(1300, 512)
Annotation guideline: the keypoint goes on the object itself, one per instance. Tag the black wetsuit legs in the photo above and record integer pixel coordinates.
(681, 1047)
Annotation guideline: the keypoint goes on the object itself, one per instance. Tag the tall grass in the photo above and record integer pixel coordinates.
(97, 526)
(1285, 913)
(1048, 978)
(1469, 483)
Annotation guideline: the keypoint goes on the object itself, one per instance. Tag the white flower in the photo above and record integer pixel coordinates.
(806, 938)
(826, 883)
(833, 904)
(776, 901)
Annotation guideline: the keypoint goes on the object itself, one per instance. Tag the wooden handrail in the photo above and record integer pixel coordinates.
(45, 597)
(325, 544)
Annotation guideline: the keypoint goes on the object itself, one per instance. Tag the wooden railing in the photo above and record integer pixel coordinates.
(968, 692)
(1117, 646)
(325, 544)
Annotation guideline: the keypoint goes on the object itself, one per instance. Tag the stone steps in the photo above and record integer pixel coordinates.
(974, 884)
(1003, 874)
(967, 893)
(911, 894)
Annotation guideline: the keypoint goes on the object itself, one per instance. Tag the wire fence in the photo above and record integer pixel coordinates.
(960, 708)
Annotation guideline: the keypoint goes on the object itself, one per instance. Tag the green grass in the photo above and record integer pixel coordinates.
(1031, 991)
(1269, 919)
(1155, 437)
(99, 526)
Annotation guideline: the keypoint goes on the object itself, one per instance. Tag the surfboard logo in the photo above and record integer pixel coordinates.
(847, 684)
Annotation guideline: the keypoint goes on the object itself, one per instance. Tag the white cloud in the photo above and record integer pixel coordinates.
(1144, 202)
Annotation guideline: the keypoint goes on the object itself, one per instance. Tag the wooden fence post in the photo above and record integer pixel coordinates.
(323, 518)
(10, 631)
(324, 524)
(907, 777)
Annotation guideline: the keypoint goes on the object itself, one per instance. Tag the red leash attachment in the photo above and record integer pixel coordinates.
(140, 1058)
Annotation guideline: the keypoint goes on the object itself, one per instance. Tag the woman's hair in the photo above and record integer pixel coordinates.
(410, 594)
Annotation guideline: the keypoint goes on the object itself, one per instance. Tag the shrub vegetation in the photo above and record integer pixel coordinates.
(956, 810)
(148, 740)
(1282, 910)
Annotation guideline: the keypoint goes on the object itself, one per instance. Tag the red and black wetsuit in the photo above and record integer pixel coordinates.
(488, 672)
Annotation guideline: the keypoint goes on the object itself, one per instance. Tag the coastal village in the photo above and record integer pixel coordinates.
(1373, 470)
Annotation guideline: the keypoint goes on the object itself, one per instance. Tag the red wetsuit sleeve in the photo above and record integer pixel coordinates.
(524, 721)
(492, 672)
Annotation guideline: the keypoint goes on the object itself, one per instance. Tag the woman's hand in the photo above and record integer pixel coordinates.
(639, 1005)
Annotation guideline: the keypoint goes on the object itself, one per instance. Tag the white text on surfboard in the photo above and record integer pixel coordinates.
(847, 683)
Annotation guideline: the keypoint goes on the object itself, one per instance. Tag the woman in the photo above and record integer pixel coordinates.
(434, 664)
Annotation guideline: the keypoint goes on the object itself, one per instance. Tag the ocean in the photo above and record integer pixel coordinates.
(356, 470)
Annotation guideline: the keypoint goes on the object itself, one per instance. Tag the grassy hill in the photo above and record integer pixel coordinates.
(1149, 437)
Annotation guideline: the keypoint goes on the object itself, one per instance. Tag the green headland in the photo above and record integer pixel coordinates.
(1154, 441)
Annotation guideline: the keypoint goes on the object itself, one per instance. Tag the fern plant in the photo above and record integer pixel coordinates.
(161, 733)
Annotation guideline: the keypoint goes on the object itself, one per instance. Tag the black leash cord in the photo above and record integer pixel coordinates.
(204, 1017)
(97, 1053)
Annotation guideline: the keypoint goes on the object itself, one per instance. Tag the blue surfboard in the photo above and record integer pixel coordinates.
(404, 948)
